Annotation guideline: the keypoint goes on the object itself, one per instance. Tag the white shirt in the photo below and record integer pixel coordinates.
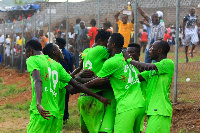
(1, 39)
(52, 37)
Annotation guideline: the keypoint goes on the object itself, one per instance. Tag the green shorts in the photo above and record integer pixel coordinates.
(60, 122)
(91, 111)
(158, 124)
(129, 121)
(107, 124)
(38, 124)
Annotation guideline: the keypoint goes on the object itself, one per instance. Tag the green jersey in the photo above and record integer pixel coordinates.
(51, 73)
(94, 59)
(125, 83)
(158, 88)
(61, 100)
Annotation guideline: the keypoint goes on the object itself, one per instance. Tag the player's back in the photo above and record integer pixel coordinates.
(95, 58)
(40, 63)
(125, 83)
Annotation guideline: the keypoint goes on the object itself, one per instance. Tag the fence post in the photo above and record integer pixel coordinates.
(4, 32)
(22, 55)
(99, 14)
(176, 50)
(34, 30)
(67, 26)
(49, 36)
(12, 44)
(135, 22)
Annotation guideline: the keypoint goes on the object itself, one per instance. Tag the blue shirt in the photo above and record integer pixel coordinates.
(68, 61)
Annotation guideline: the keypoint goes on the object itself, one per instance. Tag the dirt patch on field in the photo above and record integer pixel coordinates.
(186, 118)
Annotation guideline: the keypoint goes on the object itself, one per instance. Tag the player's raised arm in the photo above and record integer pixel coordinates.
(132, 14)
(117, 14)
(139, 65)
(38, 91)
(143, 14)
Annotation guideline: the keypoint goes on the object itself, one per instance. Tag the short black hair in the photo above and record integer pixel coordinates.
(59, 32)
(135, 45)
(107, 24)
(164, 46)
(78, 20)
(48, 50)
(93, 22)
(102, 35)
(61, 41)
(118, 39)
(34, 44)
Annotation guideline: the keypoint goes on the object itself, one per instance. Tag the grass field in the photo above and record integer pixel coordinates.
(15, 97)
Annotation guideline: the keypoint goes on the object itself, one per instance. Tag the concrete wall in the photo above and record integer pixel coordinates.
(89, 9)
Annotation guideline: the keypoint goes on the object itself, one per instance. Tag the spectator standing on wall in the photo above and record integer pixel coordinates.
(156, 31)
(124, 27)
(92, 32)
(43, 39)
(84, 41)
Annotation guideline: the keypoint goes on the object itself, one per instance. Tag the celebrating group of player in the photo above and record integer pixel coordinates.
(132, 89)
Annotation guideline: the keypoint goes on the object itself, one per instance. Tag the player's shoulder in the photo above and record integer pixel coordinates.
(186, 17)
(99, 48)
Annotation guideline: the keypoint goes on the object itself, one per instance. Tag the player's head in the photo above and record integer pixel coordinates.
(134, 51)
(102, 37)
(106, 25)
(155, 18)
(60, 42)
(78, 20)
(41, 32)
(159, 48)
(116, 41)
(124, 18)
(53, 52)
(192, 11)
(93, 22)
(32, 46)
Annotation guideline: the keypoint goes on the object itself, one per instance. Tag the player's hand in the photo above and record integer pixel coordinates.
(141, 22)
(125, 7)
(126, 55)
(105, 101)
(45, 114)
(183, 35)
(81, 64)
(101, 81)
(87, 73)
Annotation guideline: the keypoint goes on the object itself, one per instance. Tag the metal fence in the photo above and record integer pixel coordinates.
(59, 18)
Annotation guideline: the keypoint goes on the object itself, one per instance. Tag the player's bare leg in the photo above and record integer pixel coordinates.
(191, 52)
(186, 57)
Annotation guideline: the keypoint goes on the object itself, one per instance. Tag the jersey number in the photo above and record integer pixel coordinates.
(130, 68)
(88, 64)
(54, 75)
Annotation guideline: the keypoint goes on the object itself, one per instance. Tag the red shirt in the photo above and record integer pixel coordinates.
(92, 33)
(144, 37)
(166, 36)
